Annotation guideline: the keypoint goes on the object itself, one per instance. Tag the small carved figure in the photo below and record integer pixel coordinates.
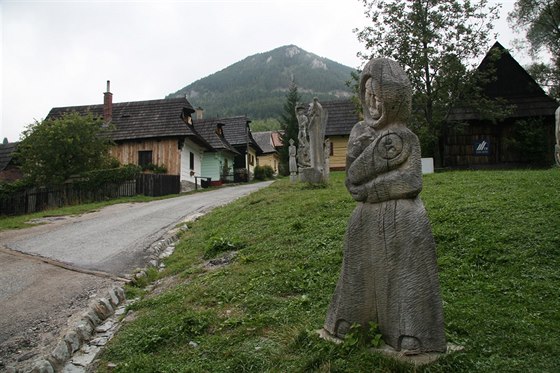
(292, 163)
(389, 270)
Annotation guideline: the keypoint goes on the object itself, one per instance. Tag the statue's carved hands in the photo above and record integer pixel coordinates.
(358, 192)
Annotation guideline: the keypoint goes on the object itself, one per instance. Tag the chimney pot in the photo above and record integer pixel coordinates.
(199, 113)
(108, 104)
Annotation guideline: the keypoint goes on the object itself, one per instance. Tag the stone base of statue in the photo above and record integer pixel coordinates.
(311, 175)
(416, 359)
(293, 177)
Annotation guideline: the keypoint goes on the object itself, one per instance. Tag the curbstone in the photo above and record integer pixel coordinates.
(102, 307)
(113, 299)
(91, 317)
(42, 366)
(120, 293)
(73, 340)
(60, 355)
(84, 329)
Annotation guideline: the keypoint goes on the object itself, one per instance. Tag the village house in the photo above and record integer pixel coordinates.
(9, 170)
(342, 116)
(237, 133)
(269, 156)
(524, 137)
(217, 164)
(151, 134)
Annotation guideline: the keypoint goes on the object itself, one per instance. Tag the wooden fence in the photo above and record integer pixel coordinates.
(39, 199)
(155, 185)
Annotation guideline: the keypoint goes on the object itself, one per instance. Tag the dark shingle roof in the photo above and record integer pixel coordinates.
(207, 129)
(6, 154)
(142, 119)
(513, 84)
(264, 140)
(235, 130)
(342, 117)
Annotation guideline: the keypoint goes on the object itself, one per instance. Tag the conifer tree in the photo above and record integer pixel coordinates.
(289, 123)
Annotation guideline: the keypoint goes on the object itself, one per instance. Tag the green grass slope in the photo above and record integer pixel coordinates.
(498, 240)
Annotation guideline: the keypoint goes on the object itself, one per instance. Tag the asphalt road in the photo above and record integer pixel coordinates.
(37, 290)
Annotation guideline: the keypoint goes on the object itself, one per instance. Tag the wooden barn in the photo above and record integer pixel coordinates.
(525, 137)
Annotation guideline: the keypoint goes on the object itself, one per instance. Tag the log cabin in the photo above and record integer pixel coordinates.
(524, 138)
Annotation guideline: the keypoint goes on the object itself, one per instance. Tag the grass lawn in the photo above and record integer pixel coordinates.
(498, 242)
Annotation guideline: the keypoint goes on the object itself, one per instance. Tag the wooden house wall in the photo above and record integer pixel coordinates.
(271, 160)
(337, 160)
(165, 152)
(459, 149)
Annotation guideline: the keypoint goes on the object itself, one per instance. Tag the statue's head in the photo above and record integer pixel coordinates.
(385, 93)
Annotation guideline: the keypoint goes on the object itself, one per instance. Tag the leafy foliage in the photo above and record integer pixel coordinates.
(257, 85)
(547, 76)
(261, 125)
(529, 139)
(264, 172)
(220, 245)
(434, 41)
(52, 150)
(541, 21)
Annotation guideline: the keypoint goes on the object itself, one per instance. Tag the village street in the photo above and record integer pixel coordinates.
(49, 272)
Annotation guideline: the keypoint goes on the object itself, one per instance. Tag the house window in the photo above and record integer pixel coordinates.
(144, 157)
(191, 161)
(331, 150)
(251, 159)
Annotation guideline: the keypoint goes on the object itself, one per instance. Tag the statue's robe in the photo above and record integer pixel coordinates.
(389, 271)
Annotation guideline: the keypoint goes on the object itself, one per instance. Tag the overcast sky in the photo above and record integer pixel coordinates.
(61, 53)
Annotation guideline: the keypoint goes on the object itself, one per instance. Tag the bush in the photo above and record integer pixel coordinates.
(98, 178)
(264, 172)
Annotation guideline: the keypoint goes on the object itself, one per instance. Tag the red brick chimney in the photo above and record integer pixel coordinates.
(108, 104)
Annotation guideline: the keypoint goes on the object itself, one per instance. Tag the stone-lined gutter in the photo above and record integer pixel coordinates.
(82, 343)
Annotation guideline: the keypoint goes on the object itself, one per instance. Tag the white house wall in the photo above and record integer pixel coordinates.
(186, 173)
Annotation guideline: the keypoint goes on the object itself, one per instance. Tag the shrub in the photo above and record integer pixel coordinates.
(264, 172)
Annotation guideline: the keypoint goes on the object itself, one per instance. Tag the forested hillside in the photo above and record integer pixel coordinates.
(257, 85)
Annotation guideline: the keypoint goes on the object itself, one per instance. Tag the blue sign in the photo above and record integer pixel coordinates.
(481, 147)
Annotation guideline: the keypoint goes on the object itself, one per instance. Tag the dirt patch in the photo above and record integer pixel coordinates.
(53, 298)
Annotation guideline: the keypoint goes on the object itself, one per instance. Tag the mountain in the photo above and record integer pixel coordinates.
(257, 85)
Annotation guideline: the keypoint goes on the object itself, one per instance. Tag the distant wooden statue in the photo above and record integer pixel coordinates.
(389, 270)
(314, 121)
(303, 140)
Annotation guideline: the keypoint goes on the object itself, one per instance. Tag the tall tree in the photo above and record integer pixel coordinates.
(436, 42)
(52, 150)
(290, 126)
(540, 19)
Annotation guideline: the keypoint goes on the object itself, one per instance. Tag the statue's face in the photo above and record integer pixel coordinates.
(374, 105)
